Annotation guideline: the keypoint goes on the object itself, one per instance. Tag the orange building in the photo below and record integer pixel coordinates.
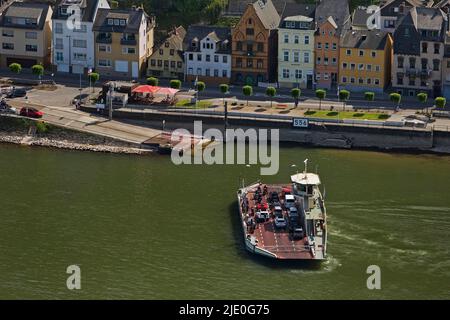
(332, 17)
(254, 44)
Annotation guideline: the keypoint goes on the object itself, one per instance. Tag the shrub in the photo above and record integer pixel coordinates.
(175, 84)
(15, 67)
(152, 81)
(369, 96)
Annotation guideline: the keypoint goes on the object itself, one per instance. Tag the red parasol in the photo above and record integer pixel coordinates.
(145, 89)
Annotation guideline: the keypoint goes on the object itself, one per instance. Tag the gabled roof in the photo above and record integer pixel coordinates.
(29, 10)
(388, 8)
(133, 17)
(297, 9)
(266, 12)
(364, 39)
(238, 7)
(88, 8)
(338, 9)
(360, 16)
(197, 33)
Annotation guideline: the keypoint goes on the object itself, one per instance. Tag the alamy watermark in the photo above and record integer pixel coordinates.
(374, 280)
(74, 20)
(213, 147)
(73, 282)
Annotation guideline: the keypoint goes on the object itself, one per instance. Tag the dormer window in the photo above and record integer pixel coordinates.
(64, 11)
(116, 22)
(123, 22)
(110, 22)
(249, 21)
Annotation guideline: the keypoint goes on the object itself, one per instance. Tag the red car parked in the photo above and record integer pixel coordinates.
(31, 112)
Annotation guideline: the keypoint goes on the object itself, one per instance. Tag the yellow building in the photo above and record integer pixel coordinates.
(25, 34)
(123, 42)
(365, 60)
(167, 59)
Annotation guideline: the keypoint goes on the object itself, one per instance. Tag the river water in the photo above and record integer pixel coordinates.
(143, 228)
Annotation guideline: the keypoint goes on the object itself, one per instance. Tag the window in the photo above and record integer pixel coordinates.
(424, 64)
(249, 63)
(225, 59)
(160, 63)
(296, 39)
(325, 61)
(216, 73)
(436, 65)
(286, 56)
(286, 74)
(77, 43)
(318, 60)
(344, 79)
(199, 71)
(412, 63)
(349, 52)
(59, 56)
(239, 46)
(116, 22)
(190, 57)
(190, 71)
(344, 65)
(437, 48)
(352, 80)
(31, 35)
(166, 64)
(8, 33)
(286, 38)
(298, 74)
(59, 43)
(296, 56)
(318, 75)
(306, 57)
(249, 31)
(79, 56)
(153, 62)
(319, 45)
(327, 45)
(172, 52)
(208, 58)
(199, 57)
(369, 81)
(400, 62)
(207, 72)
(377, 68)
(128, 50)
(179, 65)
(260, 64)
(377, 82)
(216, 58)
(260, 46)
(172, 64)
(166, 44)
(239, 62)
(412, 81)
(8, 46)
(104, 48)
(369, 67)
(424, 47)
(374, 54)
(224, 73)
(361, 53)
(352, 66)
(104, 63)
(82, 29)
(334, 46)
(334, 61)
(161, 52)
(110, 22)
(306, 39)
(122, 22)
(325, 76)
(58, 28)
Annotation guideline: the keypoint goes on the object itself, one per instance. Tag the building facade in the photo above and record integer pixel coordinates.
(332, 18)
(393, 10)
(207, 54)
(123, 42)
(419, 52)
(73, 49)
(167, 60)
(365, 60)
(254, 44)
(296, 47)
(25, 30)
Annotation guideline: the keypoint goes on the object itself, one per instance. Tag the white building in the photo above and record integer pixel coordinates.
(207, 54)
(73, 38)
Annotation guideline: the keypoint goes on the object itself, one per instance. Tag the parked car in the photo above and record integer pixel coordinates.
(274, 197)
(31, 112)
(9, 110)
(262, 215)
(17, 93)
(289, 201)
(280, 222)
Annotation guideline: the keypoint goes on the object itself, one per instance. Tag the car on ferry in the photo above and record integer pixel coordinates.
(280, 222)
(31, 112)
(289, 201)
(262, 215)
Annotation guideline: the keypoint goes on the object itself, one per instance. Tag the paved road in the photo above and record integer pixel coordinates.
(81, 121)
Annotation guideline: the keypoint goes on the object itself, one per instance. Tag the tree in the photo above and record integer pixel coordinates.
(201, 86)
(396, 98)
(93, 78)
(271, 92)
(152, 81)
(224, 88)
(175, 84)
(247, 91)
(422, 97)
(38, 70)
(295, 93)
(440, 102)
(344, 95)
(320, 94)
(114, 4)
(369, 95)
(15, 67)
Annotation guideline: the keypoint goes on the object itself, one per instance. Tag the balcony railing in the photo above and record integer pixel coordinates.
(104, 39)
(128, 41)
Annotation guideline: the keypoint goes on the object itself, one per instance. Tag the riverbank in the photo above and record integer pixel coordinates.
(35, 133)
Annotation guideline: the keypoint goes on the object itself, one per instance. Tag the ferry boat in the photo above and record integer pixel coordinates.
(285, 221)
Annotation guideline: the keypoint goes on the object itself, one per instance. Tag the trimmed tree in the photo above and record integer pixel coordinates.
(15, 67)
(224, 88)
(93, 78)
(344, 95)
(440, 102)
(247, 91)
(422, 97)
(396, 98)
(175, 84)
(320, 94)
(271, 92)
(369, 95)
(38, 70)
(152, 81)
(295, 93)
(201, 86)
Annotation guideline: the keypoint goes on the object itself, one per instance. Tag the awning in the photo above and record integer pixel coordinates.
(168, 91)
(145, 89)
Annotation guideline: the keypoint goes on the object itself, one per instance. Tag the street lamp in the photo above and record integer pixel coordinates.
(111, 90)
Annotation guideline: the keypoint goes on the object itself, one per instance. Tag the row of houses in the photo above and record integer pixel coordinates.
(76, 36)
(401, 45)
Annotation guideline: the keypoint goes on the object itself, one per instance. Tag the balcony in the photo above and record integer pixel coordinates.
(411, 72)
(128, 41)
(425, 73)
(104, 38)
